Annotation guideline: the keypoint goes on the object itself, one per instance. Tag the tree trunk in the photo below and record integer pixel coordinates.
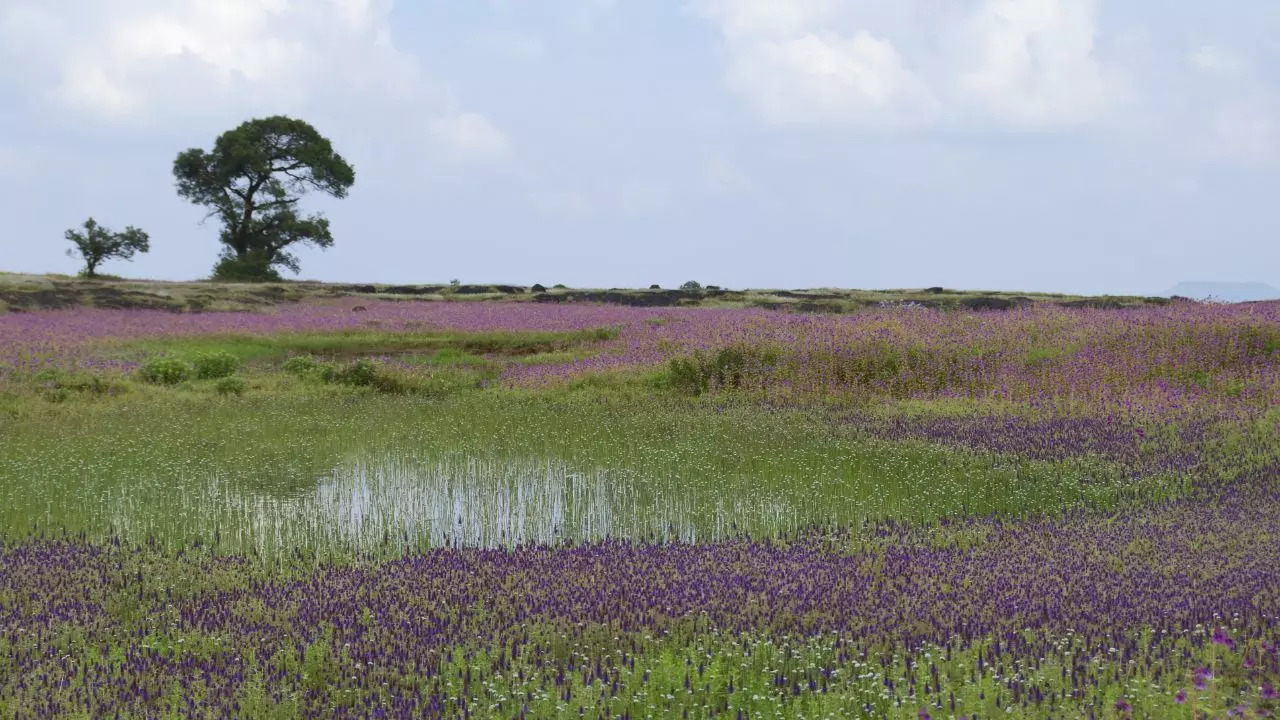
(241, 245)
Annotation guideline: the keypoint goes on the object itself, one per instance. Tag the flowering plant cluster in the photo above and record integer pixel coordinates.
(1153, 606)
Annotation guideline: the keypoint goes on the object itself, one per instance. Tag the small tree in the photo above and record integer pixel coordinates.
(691, 286)
(252, 181)
(96, 244)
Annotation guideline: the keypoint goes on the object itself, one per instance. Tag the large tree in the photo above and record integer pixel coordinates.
(97, 244)
(252, 181)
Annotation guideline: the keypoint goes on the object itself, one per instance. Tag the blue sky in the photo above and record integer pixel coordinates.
(1075, 145)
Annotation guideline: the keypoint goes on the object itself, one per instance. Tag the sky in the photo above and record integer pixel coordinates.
(1088, 146)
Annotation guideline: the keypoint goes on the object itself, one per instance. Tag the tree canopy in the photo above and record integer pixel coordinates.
(97, 244)
(252, 181)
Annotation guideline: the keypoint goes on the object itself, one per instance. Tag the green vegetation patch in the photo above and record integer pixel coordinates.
(280, 464)
(364, 343)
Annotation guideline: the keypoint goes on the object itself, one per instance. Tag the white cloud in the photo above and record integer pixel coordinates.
(1033, 62)
(913, 62)
(997, 65)
(126, 59)
(827, 77)
(158, 63)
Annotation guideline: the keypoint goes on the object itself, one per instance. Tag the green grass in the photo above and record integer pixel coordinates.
(363, 343)
(306, 467)
(281, 465)
(309, 446)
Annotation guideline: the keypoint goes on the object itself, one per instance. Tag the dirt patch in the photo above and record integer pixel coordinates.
(801, 295)
(412, 289)
(645, 298)
(819, 307)
(114, 298)
(474, 289)
(990, 302)
(41, 299)
(1107, 303)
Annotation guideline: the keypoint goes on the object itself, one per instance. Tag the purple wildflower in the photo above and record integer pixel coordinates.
(1220, 637)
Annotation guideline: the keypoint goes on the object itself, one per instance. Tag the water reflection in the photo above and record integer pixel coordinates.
(474, 502)
(461, 501)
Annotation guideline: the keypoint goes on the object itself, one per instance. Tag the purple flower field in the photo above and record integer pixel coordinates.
(1156, 608)
(1178, 360)
(1130, 596)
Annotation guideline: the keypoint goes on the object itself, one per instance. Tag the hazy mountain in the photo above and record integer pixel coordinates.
(1226, 291)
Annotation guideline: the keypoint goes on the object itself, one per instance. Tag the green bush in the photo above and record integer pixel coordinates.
(301, 366)
(231, 385)
(366, 373)
(725, 369)
(165, 370)
(211, 366)
(56, 395)
(686, 376)
(63, 384)
(361, 373)
(254, 267)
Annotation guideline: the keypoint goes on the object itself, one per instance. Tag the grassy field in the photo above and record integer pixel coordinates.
(310, 468)
(542, 509)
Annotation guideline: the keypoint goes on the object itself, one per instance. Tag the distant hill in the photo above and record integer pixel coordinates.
(1225, 291)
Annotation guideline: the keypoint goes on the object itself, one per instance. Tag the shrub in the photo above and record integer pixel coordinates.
(63, 384)
(47, 375)
(231, 385)
(686, 376)
(537, 288)
(560, 286)
(691, 286)
(56, 395)
(655, 286)
(301, 366)
(725, 369)
(366, 373)
(361, 373)
(254, 267)
(90, 383)
(165, 370)
(211, 366)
